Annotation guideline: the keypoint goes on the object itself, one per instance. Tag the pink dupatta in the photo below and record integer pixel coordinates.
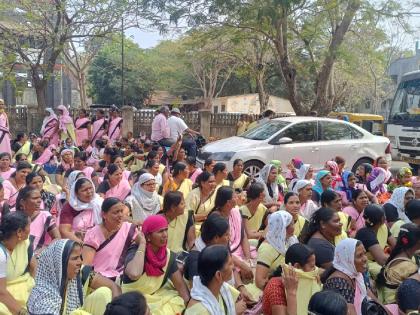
(44, 157)
(81, 133)
(120, 191)
(237, 234)
(97, 130)
(114, 131)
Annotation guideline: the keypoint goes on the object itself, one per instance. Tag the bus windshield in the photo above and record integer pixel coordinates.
(406, 104)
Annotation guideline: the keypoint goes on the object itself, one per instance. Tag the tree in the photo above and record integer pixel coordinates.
(306, 36)
(37, 32)
(104, 75)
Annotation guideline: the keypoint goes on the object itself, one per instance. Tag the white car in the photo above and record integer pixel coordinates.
(315, 140)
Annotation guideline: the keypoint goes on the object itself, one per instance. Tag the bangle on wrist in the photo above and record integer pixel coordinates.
(240, 286)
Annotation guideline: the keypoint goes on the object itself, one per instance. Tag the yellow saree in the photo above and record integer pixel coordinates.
(162, 298)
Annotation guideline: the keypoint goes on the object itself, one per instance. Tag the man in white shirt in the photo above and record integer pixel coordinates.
(178, 126)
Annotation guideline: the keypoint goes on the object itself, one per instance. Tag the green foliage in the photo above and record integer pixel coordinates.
(105, 74)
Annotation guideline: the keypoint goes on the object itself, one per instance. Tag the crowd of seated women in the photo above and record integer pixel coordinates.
(134, 230)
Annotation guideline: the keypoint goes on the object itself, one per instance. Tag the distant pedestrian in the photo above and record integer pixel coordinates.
(160, 128)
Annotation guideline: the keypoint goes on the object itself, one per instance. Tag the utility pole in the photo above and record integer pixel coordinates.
(122, 61)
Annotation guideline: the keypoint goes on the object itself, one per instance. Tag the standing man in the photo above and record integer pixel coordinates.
(178, 126)
(160, 128)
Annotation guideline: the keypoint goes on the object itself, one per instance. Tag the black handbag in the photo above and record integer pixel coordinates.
(371, 307)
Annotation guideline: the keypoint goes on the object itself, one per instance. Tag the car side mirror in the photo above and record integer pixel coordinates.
(283, 140)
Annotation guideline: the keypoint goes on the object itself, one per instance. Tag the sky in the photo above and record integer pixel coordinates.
(146, 39)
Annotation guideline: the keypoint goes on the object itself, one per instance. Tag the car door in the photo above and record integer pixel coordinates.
(304, 136)
(338, 138)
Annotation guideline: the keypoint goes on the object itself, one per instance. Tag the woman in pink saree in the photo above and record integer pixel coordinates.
(4, 130)
(114, 184)
(106, 245)
(115, 125)
(5, 165)
(49, 129)
(66, 124)
(83, 127)
(99, 126)
(42, 154)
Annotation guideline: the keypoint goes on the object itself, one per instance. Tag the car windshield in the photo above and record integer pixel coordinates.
(265, 131)
(406, 105)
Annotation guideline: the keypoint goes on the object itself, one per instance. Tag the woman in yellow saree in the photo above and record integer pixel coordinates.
(16, 263)
(179, 180)
(237, 178)
(150, 265)
(64, 287)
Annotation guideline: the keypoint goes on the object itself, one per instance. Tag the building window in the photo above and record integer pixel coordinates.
(223, 109)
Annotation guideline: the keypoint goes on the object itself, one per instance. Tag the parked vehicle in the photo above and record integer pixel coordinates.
(403, 126)
(315, 140)
(372, 123)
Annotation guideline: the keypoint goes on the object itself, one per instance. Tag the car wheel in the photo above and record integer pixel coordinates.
(252, 168)
(360, 162)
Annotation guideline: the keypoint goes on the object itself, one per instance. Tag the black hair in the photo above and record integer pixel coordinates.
(203, 177)
(219, 167)
(23, 165)
(210, 260)
(321, 215)
(101, 111)
(214, 225)
(178, 168)
(172, 199)
(408, 237)
(152, 154)
(112, 168)
(19, 136)
(268, 113)
(288, 195)
(79, 183)
(11, 223)
(412, 209)
(339, 159)
(356, 193)
(298, 253)
(109, 203)
(208, 162)
(4, 154)
(130, 303)
(81, 155)
(254, 191)
(110, 151)
(115, 156)
(407, 295)
(23, 194)
(223, 195)
(327, 197)
(373, 215)
(19, 156)
(31, 176)
(191, 160)
(100, 143)
(237, 161)
(150, 163)
(327, 302)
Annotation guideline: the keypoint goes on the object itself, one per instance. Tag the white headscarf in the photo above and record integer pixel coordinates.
(302, 183)
(47, 296)
(95, 204)
(302, 171)
(149, 201)
(72, 178)
(344, 262)
(276, 234)
(397, 200)
(263, 178)
(201, 293)
(52, 115)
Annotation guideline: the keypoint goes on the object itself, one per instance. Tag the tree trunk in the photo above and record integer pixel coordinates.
(82, 89)
(40, 86)
(323, 101)
(262, 94)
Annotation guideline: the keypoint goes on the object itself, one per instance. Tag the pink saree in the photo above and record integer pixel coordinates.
(82, 133)
(7, 174)
(121, 191)
(10, 193)
(40, 226)
(51, 132)
(98, 130)
(44, 157)
(114, 130)
(4, 134)
(237, 233)
(110, 253)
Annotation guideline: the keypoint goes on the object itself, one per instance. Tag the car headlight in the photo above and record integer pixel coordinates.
(222, 156)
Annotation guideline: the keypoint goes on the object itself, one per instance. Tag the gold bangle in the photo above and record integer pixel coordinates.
(140, 251)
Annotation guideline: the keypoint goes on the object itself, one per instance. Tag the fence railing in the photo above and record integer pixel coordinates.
(219, 125)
